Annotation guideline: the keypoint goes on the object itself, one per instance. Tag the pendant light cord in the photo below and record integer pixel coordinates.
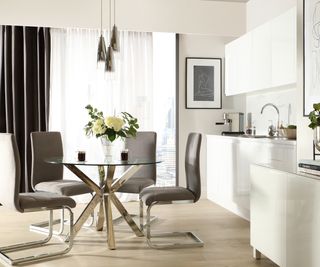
(110, 16)
(114, 12)
(101, 17)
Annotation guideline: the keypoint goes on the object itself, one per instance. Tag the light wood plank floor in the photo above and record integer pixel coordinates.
(226, 238)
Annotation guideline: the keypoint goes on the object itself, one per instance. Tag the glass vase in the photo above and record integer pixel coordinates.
(107, 148)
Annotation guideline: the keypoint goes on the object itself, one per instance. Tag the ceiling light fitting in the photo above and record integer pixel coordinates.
(102, 53)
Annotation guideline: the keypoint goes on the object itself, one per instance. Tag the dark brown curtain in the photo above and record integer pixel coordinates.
(24, 87)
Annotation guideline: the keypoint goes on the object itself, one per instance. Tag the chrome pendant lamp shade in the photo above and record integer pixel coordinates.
(115, 39)
(109, 65)
(102, 52)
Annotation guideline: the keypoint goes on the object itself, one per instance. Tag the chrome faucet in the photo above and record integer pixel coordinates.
(278, 113)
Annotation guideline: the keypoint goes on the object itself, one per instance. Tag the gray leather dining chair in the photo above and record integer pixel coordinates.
(27, 202)
(176, 194)
(143, 146)
(46, 177)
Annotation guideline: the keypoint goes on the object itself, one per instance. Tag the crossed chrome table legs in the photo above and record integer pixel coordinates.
(105, 195)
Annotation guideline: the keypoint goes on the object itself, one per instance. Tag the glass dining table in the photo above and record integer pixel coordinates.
(104, 192)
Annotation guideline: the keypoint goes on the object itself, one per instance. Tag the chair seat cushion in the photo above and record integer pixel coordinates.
(173, 193)
(135, 185)
(64, 187)
(44, 200)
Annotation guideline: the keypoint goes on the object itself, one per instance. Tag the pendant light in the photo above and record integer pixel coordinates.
(102, 53)
(115, 44)
(109, 64)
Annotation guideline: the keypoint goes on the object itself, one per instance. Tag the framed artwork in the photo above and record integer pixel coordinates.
(203, 83)
(311, 54)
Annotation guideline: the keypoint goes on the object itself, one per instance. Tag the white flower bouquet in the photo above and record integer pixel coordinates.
(110, 127)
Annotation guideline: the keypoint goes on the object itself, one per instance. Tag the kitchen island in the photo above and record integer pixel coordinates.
(285, 216)
(228, 167)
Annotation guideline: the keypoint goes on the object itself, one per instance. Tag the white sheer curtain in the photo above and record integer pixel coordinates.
(76, 82)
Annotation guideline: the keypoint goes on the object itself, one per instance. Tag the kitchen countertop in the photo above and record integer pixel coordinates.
(282, 141)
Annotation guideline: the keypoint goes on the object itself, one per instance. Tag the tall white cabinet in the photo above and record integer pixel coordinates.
(264, 57)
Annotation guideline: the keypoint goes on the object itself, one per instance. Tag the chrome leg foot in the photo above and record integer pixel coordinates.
(24, 246)
(194, 240)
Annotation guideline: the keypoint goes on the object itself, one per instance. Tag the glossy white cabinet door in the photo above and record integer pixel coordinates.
(264, 57)
(244, 63)
(230, 69)
(261, 57)
(267, 209)
(285, 217)
(284, 36)
(238, 66)
(302, 222)
(228, 168)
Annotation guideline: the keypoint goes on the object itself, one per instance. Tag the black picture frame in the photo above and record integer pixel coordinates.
(203, 83)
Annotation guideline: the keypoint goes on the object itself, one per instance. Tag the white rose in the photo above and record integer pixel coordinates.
(97, 127)
(114, 122)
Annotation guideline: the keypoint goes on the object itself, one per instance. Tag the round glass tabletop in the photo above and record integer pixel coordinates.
(102, 162)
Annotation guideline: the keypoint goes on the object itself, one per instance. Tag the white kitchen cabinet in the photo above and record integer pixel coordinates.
(283, 41)
(264, 57)
(261, 57)
(239, 54)
(228, 167)
(285, 216)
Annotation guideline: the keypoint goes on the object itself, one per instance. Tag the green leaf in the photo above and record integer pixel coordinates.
(316, 106)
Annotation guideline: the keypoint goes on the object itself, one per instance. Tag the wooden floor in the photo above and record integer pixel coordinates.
(226, 238)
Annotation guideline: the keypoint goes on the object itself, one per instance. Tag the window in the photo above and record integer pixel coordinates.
(143, 84)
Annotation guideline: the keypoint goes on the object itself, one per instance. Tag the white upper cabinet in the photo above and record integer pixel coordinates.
(264, 57)
(261, 59)
(284, 47)
(238, 79)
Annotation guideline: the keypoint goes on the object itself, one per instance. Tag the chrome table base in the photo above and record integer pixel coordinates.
(105, 195)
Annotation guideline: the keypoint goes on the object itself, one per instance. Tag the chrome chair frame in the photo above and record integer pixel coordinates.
(28, 245)
(195, 241)
(41, 227)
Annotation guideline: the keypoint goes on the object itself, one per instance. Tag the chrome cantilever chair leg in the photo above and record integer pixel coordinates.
(195, 241)
(28, 245)
(42, 227)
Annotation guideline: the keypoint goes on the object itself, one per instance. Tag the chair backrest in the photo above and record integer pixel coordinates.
(144, 146)
(192, 164)
(10, 171)
(45, 145)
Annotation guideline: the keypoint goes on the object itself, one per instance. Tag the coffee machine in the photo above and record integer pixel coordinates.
(234, 122)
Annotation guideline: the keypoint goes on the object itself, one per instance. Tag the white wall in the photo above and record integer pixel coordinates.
(180, 16)
(260, 11)
(201, 120)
